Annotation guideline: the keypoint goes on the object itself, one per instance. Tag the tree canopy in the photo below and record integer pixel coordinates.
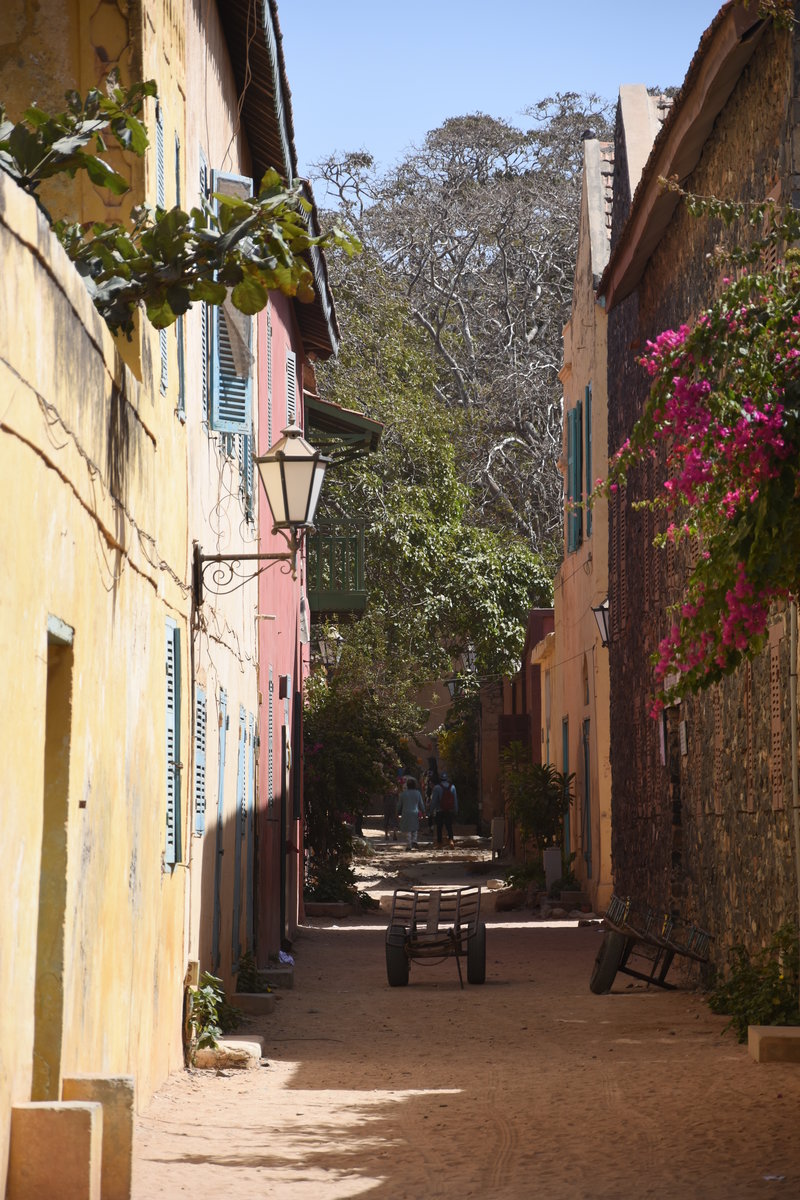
(475, 233)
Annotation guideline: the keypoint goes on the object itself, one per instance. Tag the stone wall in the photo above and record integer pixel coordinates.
(701, 807)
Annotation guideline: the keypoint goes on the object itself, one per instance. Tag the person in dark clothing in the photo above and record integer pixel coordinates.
(444, 803)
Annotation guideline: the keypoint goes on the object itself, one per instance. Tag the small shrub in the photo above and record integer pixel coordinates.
(761, 989)
(210, 1013)
(524, 875)
(330, 882)
(249, 978)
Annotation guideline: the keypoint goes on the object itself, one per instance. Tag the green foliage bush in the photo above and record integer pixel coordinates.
(537, 795)
(331, 882)
(249, 978)
(210, 1013)
(524, 875)
(761, 989)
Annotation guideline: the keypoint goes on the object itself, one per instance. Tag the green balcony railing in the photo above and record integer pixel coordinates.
(335, 565)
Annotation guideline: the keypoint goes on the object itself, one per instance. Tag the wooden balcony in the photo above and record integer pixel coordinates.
(335, 567)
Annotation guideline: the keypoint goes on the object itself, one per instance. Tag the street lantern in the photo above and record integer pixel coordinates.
(330, 649)
(292, 472)
(601, 617)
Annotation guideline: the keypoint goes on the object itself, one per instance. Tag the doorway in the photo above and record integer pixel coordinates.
(49, 986)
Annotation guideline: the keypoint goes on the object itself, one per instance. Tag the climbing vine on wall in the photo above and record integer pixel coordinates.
(723, 416)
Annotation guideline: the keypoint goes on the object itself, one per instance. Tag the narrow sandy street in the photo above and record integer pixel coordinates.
(526, 1086)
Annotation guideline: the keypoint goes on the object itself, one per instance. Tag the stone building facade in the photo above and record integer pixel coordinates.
(701, 808)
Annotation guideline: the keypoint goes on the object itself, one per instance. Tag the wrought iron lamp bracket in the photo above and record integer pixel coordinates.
(221, 574)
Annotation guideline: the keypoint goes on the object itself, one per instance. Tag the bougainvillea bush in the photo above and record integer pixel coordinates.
(722, 418)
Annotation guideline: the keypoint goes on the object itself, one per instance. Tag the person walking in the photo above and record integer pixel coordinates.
(409, 810)
(390, 815)
(444, 803)
(431, 780)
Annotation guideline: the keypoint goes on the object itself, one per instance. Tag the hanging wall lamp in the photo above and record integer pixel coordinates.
(292, 472)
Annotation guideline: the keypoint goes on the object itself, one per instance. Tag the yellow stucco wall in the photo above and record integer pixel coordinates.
(579, 674)
(104, 488)
(89, 504)
(203, 112)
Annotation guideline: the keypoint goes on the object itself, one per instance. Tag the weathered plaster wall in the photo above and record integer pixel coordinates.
(281, 653)
(580, 679)
(704, 828)
(200, 107)
(85, 540)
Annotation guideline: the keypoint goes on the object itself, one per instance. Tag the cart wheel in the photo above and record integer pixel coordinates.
(396, 957)
(606, 965)
(476, 955)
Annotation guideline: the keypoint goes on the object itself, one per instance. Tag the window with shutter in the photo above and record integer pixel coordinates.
(231, 343)
(245, 452)
(239, 831)
(216, 928)
(200, 717)
(587, 419)
(574, 475)
(291, 387)
(172, 850)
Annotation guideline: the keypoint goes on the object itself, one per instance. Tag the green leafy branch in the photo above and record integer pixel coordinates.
(42, 145)
(163, 259)
(761, 989)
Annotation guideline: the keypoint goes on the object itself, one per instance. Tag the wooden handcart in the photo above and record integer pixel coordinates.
(644, 933)
(433, 924)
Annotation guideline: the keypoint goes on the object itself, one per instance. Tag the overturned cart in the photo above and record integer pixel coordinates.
(431, 924)
(647, 935)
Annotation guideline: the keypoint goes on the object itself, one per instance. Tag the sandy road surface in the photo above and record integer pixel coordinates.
(527, 1086)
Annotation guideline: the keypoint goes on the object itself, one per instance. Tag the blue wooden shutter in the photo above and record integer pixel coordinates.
(172, 851)
(200, 761)
(160, 173)
(244, 453)
(241, 825)
(570, 478)
(231, 393)
(574, 518)
(588, 439)
(204, 313)
(291, 387)
(578, 473)
(220, 848)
